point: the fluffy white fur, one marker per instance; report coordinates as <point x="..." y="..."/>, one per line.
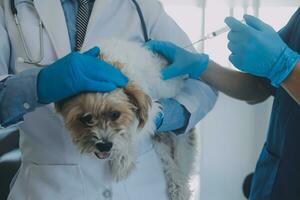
<point x="178" y="153"/>
<point x="141" y="66"/>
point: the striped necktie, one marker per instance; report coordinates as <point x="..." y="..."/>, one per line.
<point x="82" y="20"/>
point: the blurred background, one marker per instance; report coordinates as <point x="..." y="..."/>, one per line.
<point x="234" y="132"/>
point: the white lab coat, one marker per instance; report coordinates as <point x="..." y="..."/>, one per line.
<point x="51" y="167"/>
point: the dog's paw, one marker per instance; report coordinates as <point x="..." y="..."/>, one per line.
<point x="121" y="168"/>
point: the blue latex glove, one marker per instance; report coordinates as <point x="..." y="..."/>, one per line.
<point x="159" y="118"/>
<point x="258" y="49"/>
<point x="173" y="117"/>
<point x="77" y="73"/>
<point x="181" y="62"/>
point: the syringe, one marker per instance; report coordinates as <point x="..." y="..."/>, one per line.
<point x="211" y="35"/>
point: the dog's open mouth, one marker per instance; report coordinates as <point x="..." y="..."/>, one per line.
<point x="102" y="155"/>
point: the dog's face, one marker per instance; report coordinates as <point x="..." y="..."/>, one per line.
<point x="103" y="122"/>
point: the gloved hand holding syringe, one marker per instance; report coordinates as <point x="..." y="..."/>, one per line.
<point x="211" y="35"/>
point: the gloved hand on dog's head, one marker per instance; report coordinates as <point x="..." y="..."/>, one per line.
<point x="76" y="73"/>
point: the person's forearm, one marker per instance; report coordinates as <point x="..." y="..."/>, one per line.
<point x="235" y="84"/>
<point x="292" y="83"/>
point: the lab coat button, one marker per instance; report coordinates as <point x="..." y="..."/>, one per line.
<point x="107" y="193"/>
<point x="26" y="106"/>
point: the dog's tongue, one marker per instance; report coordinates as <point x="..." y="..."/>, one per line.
<point x="102" y="155"/>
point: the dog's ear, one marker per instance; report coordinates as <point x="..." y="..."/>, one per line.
<point x="59" y="106"/>
<point x="141" y="102"/>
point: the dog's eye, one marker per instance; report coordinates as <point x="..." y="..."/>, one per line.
<point x="87" y="119"/>
<point x="113" y="116"/>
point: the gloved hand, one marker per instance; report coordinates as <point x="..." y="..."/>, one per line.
<point x="258" y="49"/>
<point x="77" y="73"/>
<point x="181" y="62"/>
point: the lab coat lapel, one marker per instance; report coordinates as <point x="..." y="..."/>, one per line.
<point x="97" y="11"/>
<point x="51" y="14"/>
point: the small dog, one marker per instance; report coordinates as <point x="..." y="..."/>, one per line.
<point x="109" y="124"/>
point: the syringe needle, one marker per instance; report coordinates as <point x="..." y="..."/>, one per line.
<point x="196" y="42"/>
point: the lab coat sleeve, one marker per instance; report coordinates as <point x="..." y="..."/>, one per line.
<point x="4" y="47"/>
<point x="196" y="96"/>
<point x="17" y="92"/>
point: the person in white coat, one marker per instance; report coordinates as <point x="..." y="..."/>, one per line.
<point x="52" y="168"/>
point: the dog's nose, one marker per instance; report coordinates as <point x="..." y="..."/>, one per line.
<point x="104" y="146"/>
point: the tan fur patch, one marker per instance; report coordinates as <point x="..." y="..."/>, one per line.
<point x="141" y="101"/>
<point x="116" y="64"/>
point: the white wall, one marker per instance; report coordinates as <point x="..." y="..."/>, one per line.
<point x="232" y="136"/>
